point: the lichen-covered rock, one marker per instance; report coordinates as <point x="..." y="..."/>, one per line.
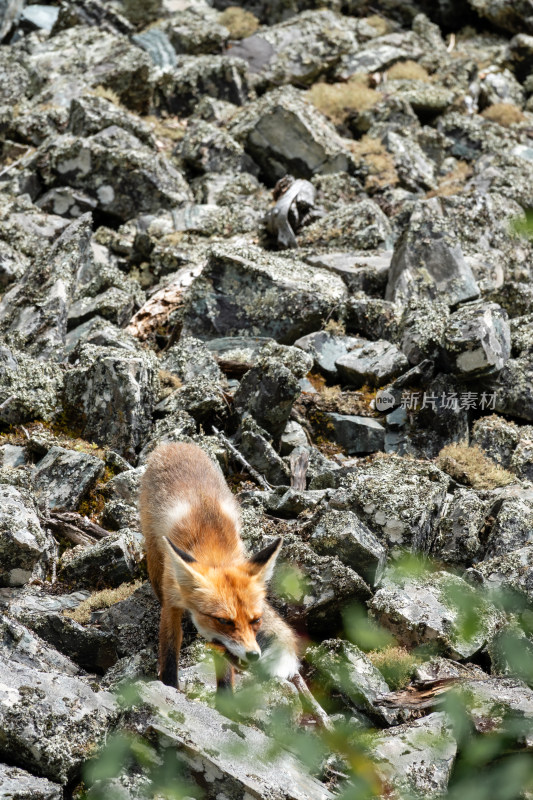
<point x="114" y="560"/>
<point x="462" y="517"/>
<point x="24" y="546"/>
<point x="63" y="477"/>
<point x="34" y="312"/>
<point x="90" y="114"/>
<point x="360" y="271"/>
<point x="110" y="393"/>
<point x="477" y="339"/>
<point x="422" y="328"/>
<point x="433" y="610"/>
<point x="123" y="175"/>
<point x="398" y="499"/>
<point x="278" y="297"/>
<point x="325" y="348"/>
<point x="269" y="389"/>
<point x="180" y="89"/>
<point x="29" y="388"/>
<point x="190" y="359"/>
<point x="417" y="757"/>
<point x="114" y="305"/>
<point x="206" y="148"/>
<point x="342" y="666"/>
<point x="512" y="388"/>
<point x="49" y="720"/>
<point x="362" y="225"/>
<point x="343" y="534"/>
<point x="356" y="435"/>
<point x="17" y="783"/>
<point x="492" y="701"/>
<point x="375" y="363"/>
<point x="512" y="527"/>
<point x="497" y="437"/>
<point x="516" y="17"/>
<point x="134" y="623"/>
<point x="513" y="570"/>
<point x="284" y="134"/>
<point x="256" y="446"/>
<point x="428" y="261"/>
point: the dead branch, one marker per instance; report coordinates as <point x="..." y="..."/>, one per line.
<point x="75" y="527"/>
<point x="258" y="478"/>
<point x="299" y="462"/>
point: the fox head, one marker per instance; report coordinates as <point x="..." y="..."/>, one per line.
<point x="226" y="603"/>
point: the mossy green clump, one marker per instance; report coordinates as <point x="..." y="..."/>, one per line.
<point x="504" y="114"/>
<point x="338" y="100"/>
<point x="396" y="664"/>
<point x="407" y="71"/>
<point x="469" y="465"/>
<point x="102" y="599"/>
<point x="239" y="22"/>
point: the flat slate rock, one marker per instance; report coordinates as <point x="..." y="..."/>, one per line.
<point x="64" y="477"/>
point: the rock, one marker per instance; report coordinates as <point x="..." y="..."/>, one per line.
<point x="356" y="435"/>
<point x="510" y="390"/>
<point x="109" y="393"/>
<point x="114" y="304"/>
<point x="374" y="363"/>
<point x="497" y="437"/>
<point x="180" y="89"/>
<point x="24" y="546"/>
<point x="491" y="702"/>
<point x="513" y="570"/>
<point x="380" y="53"/>
<point x="206" y="149"/>
<point x="432" y="610"/>
<point x="342" y="666"/>
<point x="15" y="782"/>
<point x="63" y="477"/>
<point x="293" y="436"/>
<point x="327" y="587"/>
<point x="123" y="175"/>
<point x="191" y="728"/>
<point x="49" y="720"/>
<point x="291" y="502"/>
<point x="276" y="296"/>
<point x="477" y="339"/>
<point x="158" y="46"/>
<point x="9" y="11"/>
<point x="362" y="225"/>
<point x="516" y="18"/>
<point x="406" y="765"/>
<point x="191" y="359"/>
<point x="373" y="318"/>
<point x="114" y="560"/>
<point x="134" y="623"/>
<point x="343" y="534"/>
<point x="428" y="262"/>
<point x="512" y="527"/>
<point x="29" y="388"/>
<point x="398" y="499"/>
<point x="284" y="134"/>
<point x="35" y="310"/>
<point x="21" y="646"/>
<point x="359" y="270"/>
<point x="255" y="445"/>
<point x="458" y="539"/>
<point x="422" y="328"/>
<point x="269" y="389"/>
<point x="195" y="31"/>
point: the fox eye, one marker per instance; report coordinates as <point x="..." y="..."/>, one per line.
<point x="224" y="621"/>
<point x="255" y="621"/>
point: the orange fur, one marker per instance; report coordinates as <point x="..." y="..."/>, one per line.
<point x="196" y="560"/>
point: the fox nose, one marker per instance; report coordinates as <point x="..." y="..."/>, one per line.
<point x="252" y="655"/>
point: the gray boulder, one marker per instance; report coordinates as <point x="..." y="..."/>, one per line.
<point x="512" y="570"/>
<point x="256" y="446"/>
<point x="110" y="393"/>
<point x="356" y="435"/>
<point x="375" y="363"/>
<point x="113" y="304"/>
<point x="516" y="18"/>
<point x="122" y="174"/>
<point x="512" y="527"/>
<point x="134" y="623"/>
<point x="360" y="271"/>
<point x="457" y="539"/>
<point x="326" y="348"/>
<point x="24" y="546"/>
<point x="278" y="297"/>
<point x="114" y="560"/>
<point x="63" y="477"/>
<point x="498" y="437"/>
<point x="190" y="359"/>
<point x="428" y="261"/>
<point x="285" y="134"/>
<point x="342" y="666"/>
<point x="432" y="610"/>
<point x="416" y="758"/>
<point x="477" y="340"/>
<point x="362" y="225"/>
<point x="29" y="388"/>
<point x="511" y="389"/>
<point x="343" y="534"/>
<point x="19" y="784"/>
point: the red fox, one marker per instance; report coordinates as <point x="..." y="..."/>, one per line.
<point x="196" y="563"/>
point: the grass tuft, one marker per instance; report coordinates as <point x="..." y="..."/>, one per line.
<point x="239" y="22"/>
<point x="407" y="71"/>
<point x="396" y="664"/>
<point x="504" y="114"/>
<point x="469" y="465"/>
<point x="338" y="100"/>
<point x="102" y="599"/>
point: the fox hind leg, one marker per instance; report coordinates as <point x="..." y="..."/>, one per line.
<point x="170" y="637"/>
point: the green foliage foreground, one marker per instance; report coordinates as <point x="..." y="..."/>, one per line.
<point x="493" y="761"/>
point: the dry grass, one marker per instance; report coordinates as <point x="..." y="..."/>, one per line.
<point x="168" y="383"/>
<point x="453" y="182"/>
<point x="396" y="664"/>
<point x="381" y="25"/>
<point x="335" y="327"/>
<point x="407" y="71"/>
<point x="103" y="599"/>
<point x="469" y="465"/>
<point x="338" y="100"/>
<point x="239" y="22"/>
<point x="108" y="94"/>
<point x="168" y="129"/>
<point x="504" y="114"/>
<point x="372" y="157"/>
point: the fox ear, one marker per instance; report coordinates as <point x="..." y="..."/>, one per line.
<point x="182" y="564"/>
<point x="262" y="564"/>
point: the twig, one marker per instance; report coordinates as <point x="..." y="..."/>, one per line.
<point x="299" y="462"/>
<point x="258" y="478"/>
<point x="6" y="402"/>
<point x="313" y="704"/>
<point x="75" y="528"/>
